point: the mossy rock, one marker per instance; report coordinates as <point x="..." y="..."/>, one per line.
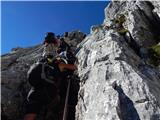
<point x="156" y="48"/>
<point x="119" y="19"/>
<point x="122" y="18"/>
<point x="122" y="31"/>
<point x="154" y="54"/>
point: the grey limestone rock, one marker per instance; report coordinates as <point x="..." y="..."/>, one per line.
<point x="116" y="84"/>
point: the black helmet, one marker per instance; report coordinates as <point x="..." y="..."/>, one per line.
<point x="50" y="37"/>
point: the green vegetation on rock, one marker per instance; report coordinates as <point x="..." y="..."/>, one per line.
<point x="154" y="53"/>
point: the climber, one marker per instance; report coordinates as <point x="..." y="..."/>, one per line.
<point x="73" y="35"/>
<point x="66" y="46"/>
<point x="63" y="46"/>
<point x="46" y="77"/>
<point x="51" y="44"/>
<point x="67" y="38"/>
<point x="65" y="49"/>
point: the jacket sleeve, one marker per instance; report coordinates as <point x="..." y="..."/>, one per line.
<point x="63" y="66"/>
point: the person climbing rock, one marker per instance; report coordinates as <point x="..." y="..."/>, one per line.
<point x="67" y="38"/>
<point x="64" y="46"/>
<point x="73" y="35"/>
<point x="71" y="59"/>
<point x="47" y="78"/>
<point x="51" y="44"/>
<point x="66" y="51"/>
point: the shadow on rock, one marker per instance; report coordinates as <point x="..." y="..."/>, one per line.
<point x="125" y="108"/>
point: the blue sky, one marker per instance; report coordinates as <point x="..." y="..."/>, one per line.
<point x="24" y="24"/>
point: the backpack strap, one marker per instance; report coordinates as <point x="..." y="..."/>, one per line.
<point x="43" y="75"/>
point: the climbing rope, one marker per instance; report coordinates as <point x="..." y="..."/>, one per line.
<point x="37" y="49"/>
<point x="66" y="102"/>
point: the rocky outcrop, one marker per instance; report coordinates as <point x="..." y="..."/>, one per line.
<point x="142" y="19"/>
<point x="116" y="84"/>
<point x="14" y="85"/>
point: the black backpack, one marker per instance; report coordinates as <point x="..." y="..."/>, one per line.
<point x="41" y="73"/>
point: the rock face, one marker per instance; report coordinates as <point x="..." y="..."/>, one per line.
<point x="14" y="84"/>
<point x="116" y="84"/>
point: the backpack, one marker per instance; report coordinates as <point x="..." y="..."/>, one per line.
<point x="41" y="73"/>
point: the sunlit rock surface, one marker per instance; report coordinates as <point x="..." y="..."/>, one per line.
<point x="116" y="84"/>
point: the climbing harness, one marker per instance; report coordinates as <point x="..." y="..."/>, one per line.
<point x="66" y="102"/>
